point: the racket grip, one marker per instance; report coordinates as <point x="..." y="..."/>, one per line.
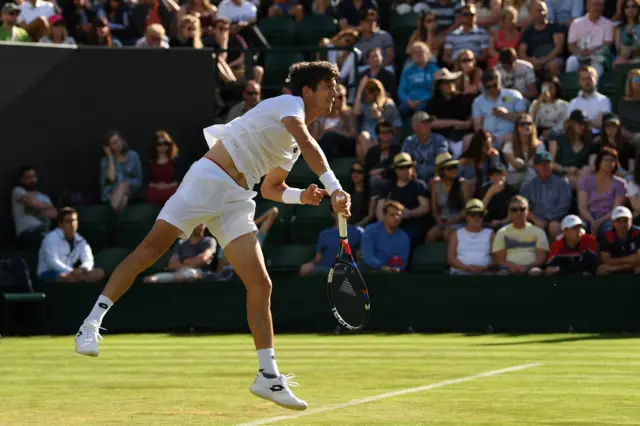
<point x="342" y="222"/>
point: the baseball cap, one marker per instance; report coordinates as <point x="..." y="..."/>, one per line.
<point x="496" y="168"/>
<point x="543" y="157"/>
<point x="578" y="115"/>
<point x="611" y="119"/>
<point x="621" y="211"/>
<point x="570" y="221"/>
<point x="10" y="7"/>
<point x="402" y="159"/>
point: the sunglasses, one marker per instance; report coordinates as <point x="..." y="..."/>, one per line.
<point x="466" y="60"/>
<point x="357" y="171"/>
<point x="518" y="209"/>
<point x="254" y="93"/>
<point x="384" y="131"/>
<point x="467" y="14"/>
<point x="450" y="168"/>
<point x="161" y="143"/>
<point x="525" y="123"/>
<point x="491" y="86"/>
<point x="403" y="167"/>
<point x="475" y="214"/>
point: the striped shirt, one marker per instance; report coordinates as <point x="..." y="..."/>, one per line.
<point x="474" y="40"/>
<point x="445" y="13"/>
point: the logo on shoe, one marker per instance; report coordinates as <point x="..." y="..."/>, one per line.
<point x="103" y="305"/>
<point x="276" y="388"/>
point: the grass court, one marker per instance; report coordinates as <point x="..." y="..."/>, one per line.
<point x="204" y="380"/>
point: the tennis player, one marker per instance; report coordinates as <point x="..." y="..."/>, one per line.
<point x="217" y="191"/>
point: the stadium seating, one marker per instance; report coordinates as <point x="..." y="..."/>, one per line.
<point x="301" y="175"/>
<point x="342" y="169"/>
<point x="95" y="224"/>
<point x="313" y="28"/>
<point x="289" y="257"/>
<point x="308" y="221"/>
<point x="276" y="68"/>
<point x="109" y="258"/>
<point x="402" y="26"/>
<point x="134" y="223"/>
<point x="431" y="257"/>
<point x="279" y="30"/>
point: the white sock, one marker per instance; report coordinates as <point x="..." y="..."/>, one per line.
<point x="99" y="310"/>
<point x="267" y="361"/>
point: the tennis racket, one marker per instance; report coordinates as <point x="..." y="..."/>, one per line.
<point x="348" y="293"/>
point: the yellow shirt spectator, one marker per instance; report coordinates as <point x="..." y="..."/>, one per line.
<point x="520" y="243"/>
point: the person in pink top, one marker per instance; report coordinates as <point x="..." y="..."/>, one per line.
<point x="590" y="38"/>
<point x="507" y="36"/>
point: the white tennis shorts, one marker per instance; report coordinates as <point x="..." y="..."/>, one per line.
<point x="208" y="195"/>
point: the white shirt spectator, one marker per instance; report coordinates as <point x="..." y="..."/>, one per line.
<point x="593" y="105"/>
<point x="519" y="78"/>
<point x="58" y="254"/>
<point x="244" y="12"/>
<point x="29" y="12"/>
<point x="69" y="41"/>
<point x="473" y="248"/>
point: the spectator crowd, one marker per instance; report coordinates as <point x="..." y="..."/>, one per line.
<point x="514" y="179"/>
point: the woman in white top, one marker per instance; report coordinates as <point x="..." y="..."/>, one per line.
<point x="470" y="247"/>
<point x="520" y="149"/>
<point x="549" y="111"/>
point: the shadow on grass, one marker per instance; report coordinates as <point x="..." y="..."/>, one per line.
<point x="567" y="339"/>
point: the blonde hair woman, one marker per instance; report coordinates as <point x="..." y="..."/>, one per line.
<point x="188" y="34"/>
<point x="628" y="107"/>
<point x="203" y="10"/>
<point x="521" y="150"/>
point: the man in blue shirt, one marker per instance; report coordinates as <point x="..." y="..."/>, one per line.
<point x="549" y="196"/>
<point x="327" y="248"/>
<point x="385" y="246"/>
<point x="424" y="146"/>
<point x="496" y="110"/>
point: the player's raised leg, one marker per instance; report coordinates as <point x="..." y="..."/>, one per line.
<point x="159" y="239"/>
<point x="245" y="256"/>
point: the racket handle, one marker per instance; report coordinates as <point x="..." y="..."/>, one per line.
<point x="342" y="222"/>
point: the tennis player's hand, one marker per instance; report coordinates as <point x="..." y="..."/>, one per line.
<point x="313" y="195"/>
<point x="341" y="202"/>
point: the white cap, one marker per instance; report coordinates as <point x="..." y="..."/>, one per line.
<point x="570" y="221"/>
<point x="621" y="211"/>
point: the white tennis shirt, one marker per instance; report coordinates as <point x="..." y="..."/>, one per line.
<point x="258" y="141"/>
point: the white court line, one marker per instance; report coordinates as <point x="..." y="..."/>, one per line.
<point x="390" y="395"/>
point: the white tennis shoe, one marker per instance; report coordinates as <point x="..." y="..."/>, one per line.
<point x="276" y="389"/>
<point x="87" y="339"/>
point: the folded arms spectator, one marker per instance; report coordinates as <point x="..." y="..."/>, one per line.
<point x="64" y="255"/>
<point x="32" y="210"/>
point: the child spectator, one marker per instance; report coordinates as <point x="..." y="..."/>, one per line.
<point x="575" y="252"/>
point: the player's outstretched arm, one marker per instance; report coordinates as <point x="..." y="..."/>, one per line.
<point x="317" y="161"/>
<point x="274" y="188"/>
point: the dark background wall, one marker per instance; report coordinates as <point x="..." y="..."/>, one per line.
<point x="56" y="104"/>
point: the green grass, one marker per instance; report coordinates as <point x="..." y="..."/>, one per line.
<point x="204" y="380"/>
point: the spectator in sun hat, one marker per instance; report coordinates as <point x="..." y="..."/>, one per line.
<point x="620" y="246"/>
<point x="58" y="33"/>
<point x="549" y="196"/>
<point x="412" y="193"/>
<point x="470" y="247"/>
<point x="573" y="253"/>
<point x="9" y="31"/>
<point x="424" y="145"/>
<point x="447" y="199"/>
<point x="451" y="109"/>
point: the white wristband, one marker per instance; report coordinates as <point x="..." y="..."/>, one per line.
<point x="292" y="196"/>
<point x="330" y="182"/>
